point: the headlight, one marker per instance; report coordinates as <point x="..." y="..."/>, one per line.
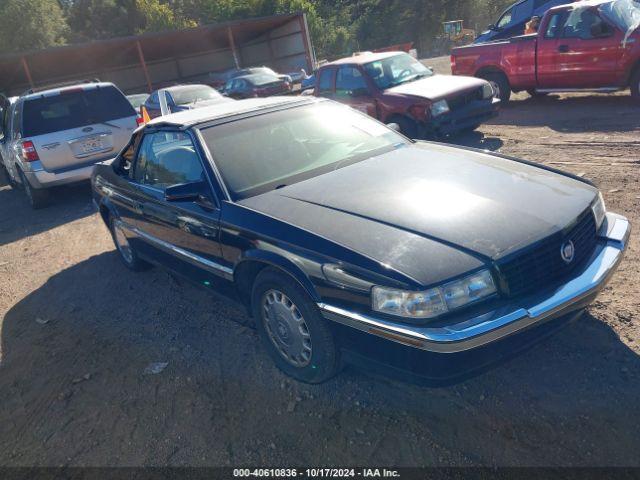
<point x="487" y="91"/>
<point x="440" y="107"/>
<point x="599" y="210"/>
<point x="436" y="301"/>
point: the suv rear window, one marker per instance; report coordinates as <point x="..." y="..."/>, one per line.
<point x="73" y="109"/>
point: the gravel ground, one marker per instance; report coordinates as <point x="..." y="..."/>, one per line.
<point x="78" y="331"/>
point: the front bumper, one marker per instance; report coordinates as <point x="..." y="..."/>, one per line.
<point x="484" y="329"/>
<point x="464" y="118"/>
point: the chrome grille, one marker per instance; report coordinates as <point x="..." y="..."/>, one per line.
<point x="542" y="265"/>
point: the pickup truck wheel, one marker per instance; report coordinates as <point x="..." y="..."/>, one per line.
<point x="500" y="85"/>
<point x="291" y="328"/>
<point x="125" y="251"/>
<point x="635" y="84"/>
<point x="38" y="198"/>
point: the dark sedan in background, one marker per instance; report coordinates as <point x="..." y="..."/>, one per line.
<point x="335" y="231"/>
<point x="256" y="85"/>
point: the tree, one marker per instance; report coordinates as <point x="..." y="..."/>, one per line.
<point x="31" y="24"/>
<point x="156" y="17"/>
<point x="100" y="19"/>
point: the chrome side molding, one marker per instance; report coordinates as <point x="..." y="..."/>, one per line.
<point x="198" y="261"/>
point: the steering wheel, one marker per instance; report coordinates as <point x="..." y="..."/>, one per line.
<point x="406" y="71"/>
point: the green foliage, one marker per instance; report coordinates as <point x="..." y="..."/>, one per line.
<point x="337" y="27"/>
<point x="30" y="24"/>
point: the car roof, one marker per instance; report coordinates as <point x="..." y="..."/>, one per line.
<point x="227" y="109"/>
<point x="56" y="90"/>
<point x="186" y="86"/>
<point x="254" y="76"/>
<point x="582" y="3"/>
<point x="363" y="58"/>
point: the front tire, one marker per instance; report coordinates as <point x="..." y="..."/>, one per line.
<point x="127" y="254"/>
<point x="500" y="84"/>
<point x="291" y="328"/>
<point x="37" y="197"/>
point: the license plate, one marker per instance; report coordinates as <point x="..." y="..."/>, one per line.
<point x="92" y="145"/>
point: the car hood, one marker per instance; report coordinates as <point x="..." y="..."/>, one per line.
<point x="431" y="204"/>
<point x="438" y="87"/>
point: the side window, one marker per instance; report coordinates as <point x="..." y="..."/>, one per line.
<point x="585" y="23"/>
<point x="554" y="27"/>
<point x="167" y="159"/>
<point x="127" y="156"/>
<point x="505" y="19"/>
<point x="6" y="120"/>
<point x="350" y="82"/>
<point x="154" y="98"/>
<point x="17" y="120"/>
<point x="325" y="82"/>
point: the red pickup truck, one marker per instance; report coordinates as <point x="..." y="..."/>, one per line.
<point x="396" y="88"/>
<point x="592" y="45"/>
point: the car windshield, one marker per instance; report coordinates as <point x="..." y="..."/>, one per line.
<point x="196" y="93"/>
<point x="262" y="79"/>
<point x="396" y="70"/>
<point x="137" y="100"/>
<point x="269" y="151"/>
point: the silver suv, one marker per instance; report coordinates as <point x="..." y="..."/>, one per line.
<point x="56" y="136"/>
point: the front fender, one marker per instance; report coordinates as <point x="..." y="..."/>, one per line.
<point x="292" y="264"/>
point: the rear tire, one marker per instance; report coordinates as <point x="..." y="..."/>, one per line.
<point x="37" y="197"/>
<point x="127" y="254"/>
<point x="634" y="85"/>
<point x="292" y="329"/>
<point x="500" y="84"/>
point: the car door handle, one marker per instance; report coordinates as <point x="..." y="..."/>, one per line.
<point x="563" y="48"/>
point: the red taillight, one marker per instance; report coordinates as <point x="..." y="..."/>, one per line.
<point x="29" y="153"/>
<point x="139" y="120"/>
<point x="453" y="62"/>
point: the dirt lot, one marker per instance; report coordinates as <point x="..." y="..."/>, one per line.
<point x="78" y="330"/>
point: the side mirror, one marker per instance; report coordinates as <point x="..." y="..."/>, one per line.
<point x="394" y="126"/>
<point x="492" y="27"/>
<point x="185" y="192"/>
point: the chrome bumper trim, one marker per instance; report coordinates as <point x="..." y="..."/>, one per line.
<point x="576" y="294"/>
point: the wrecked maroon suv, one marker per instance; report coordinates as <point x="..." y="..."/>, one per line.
<point x="396" y="88"/>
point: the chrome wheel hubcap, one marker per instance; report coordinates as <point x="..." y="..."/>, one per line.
<point x="122" y="243"/>
<point x="286" y="328"/>
<point x="496" y="89"/>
